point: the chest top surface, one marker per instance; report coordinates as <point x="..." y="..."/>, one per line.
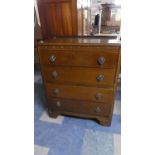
<point x="81" y="41"/>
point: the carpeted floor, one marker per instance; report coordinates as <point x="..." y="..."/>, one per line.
<point x="73" y="136"/>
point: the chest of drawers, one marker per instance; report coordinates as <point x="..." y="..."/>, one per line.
<point x="80" y="76"/>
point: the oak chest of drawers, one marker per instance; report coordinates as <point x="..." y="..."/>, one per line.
<point x="80" y="76"/>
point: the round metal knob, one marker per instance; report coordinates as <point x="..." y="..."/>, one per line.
<point x="58" y="104"/>
<point x="41" y="41"/>
<point x="101" y="60"/>
<point x="98" y="109"/>
<point x="100" y="78"/>
<point x="54" y="74"/>
<point x="98" y="96"/>
<point x="52" y="58"/>
<point x="56" y="91"/>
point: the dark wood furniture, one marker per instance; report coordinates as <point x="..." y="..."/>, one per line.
<point x="37" y="36"/>
<point x="58" y="17"/>
<point x="80" y="76"/>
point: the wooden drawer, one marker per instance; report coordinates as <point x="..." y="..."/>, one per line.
<point x="82" y="107"/>
<point x="104" y="58"/>
<point x="79" y="92"/>
<point x="79" y="75"/>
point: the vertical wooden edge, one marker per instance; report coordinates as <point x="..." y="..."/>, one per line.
<point x="42" y="19"/>
<point x="115" y="84"/>
<point x="74" y="15"/>
<point x="118" y="69"/>
<point x="42" y="75"/>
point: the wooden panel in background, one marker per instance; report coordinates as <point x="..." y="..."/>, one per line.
<point x="58" y="17"/>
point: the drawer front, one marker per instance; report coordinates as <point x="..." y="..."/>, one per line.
<point x="79" y="92"/>
<point x="84" y="58"/>
<point x="90" y="108"/>
<point x="78" y="75"/>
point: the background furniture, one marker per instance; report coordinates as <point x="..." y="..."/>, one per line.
<point x="109" y="21"/>
<point x="37" y="36"/>
<point x="58" y="17"/>
<point x="76" y="18"/>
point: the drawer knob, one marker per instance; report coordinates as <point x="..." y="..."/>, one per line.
<point x="100" y="78"/>
<point x="41" y="41"/>
<point x="98" y="96"/>
<point x="58" y="104"/>
<point x="101" y="60"/>
<point x="98" y="109"/>
<point x="52" y="58"/>
<point x="56" y="91"/>
<point x="54" y="74"/>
